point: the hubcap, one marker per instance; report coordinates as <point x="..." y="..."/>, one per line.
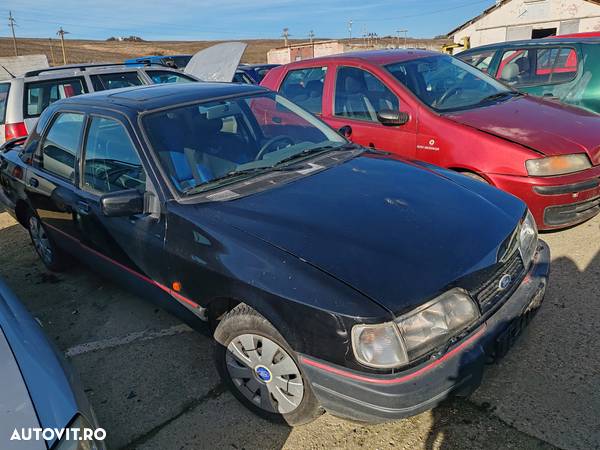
<point x="40" y="239"/>
<point x="264" y="373"/>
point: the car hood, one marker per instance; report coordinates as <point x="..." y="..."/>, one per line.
<point x="43" y="371"/>
<point x="16" y="410"/>
<point x="394" y="231"/>
<point x="545" y="126"/>
<point x="216" y="63"/>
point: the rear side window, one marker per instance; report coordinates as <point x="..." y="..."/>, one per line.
<point x="481" y="60"/>
<point x="115" y="80"/>
<point x="305" y="88"/>
<point x="164" y="76"/>
<point x="61" y="144"/>
<point x="537" y="66"/>
<point x="4" y="88"/>
<point x="39" y="95"/>
<point x="111" y="161"/>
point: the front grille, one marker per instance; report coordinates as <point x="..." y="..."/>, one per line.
<point x="491" y="292"/>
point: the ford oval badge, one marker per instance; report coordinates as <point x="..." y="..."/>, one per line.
<point x="504" y="282"/>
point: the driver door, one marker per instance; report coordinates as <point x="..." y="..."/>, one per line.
<point x="358" y="96"/>
<point x="110" y="163"/>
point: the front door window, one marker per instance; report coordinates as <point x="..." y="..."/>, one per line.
<point x="360" y="95"/>
<point x="111" y="161"/>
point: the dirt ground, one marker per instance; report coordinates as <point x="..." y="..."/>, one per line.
<point x="79" y="51"/>
<point x="153" y="385"/>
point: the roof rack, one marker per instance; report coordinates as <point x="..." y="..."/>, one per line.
<point x="84" y="67"/>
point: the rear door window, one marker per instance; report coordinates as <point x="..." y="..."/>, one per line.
<point x="39" y="95"/>
<point x="111" y="162"/>
<point x="61" y="145"/>
<point x="165" y="76"/>
<point x="305" y="88"/>
<point x="4" y="88"/>
<point x="115" y="80"/>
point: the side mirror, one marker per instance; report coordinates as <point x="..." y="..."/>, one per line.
<point x="122" y="204"/>
<point x="390" y="118"/>
<point x="346" y="131"/>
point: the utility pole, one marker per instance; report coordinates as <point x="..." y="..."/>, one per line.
<point x="350" y="30"/>
<point x="311" y="36"/>
<point x="11" y="24"/>
<point x="62" y="33"/>
<point x="52" y="52"/>
<point x="286" y="35"/>
<point x="402" y="31"/>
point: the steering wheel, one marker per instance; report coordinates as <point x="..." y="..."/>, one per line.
<point x="269" y="146"/>
<point x="449" y="93"/>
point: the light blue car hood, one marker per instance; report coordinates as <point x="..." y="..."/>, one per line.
<point x="16" y="409"/>
<point x="47" y="379"/>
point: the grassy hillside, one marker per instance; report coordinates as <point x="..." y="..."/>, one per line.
<point x="102" y="51"/>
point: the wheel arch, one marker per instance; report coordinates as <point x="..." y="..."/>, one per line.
<point x="22" y="212"/>
<point x="463" y="170"/>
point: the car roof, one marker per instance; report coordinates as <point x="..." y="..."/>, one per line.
<point x="538" y="42"/>
<point x="77" y="69"/>
<point x="150" y="97"/>
<point x="380" y="57"/>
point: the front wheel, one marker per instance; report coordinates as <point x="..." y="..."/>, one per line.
<point x="260" y="368"/>
<point x="50" y="255"/>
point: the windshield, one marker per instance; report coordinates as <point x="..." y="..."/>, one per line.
<point x="206" y="145"/>
<point x="447" y="84"/>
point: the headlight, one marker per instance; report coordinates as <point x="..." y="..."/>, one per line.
<point x="72" y="442"/>
<point x="395" y="344"/>
<point x="557" y="165"/>
<point x="528" y="238"/>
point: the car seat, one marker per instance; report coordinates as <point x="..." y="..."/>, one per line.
<point x="351" y="100"/>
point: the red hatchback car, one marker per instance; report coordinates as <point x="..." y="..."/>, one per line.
<point x="434" y="108"/>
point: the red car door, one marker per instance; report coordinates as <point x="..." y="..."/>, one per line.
<point x="355" y="95"/>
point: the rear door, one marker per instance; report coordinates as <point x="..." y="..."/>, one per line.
<point x="38" y="95"/>
<point x="50" y="180"/>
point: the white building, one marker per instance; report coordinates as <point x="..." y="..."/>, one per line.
<point x="510" y="20"/>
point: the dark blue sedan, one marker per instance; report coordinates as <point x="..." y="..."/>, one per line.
<point x="333" y="277"/>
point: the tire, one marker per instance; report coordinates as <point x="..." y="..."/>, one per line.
<point x="267" y="379"/>
<point x="48" y="252"/>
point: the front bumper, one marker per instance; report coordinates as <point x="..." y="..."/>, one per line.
<point x="556" y="202"/>
<point x="375" y="398"/>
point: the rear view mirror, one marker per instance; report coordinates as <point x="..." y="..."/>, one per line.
<point x="391" y="118"/>
<point x="122" y="204"/>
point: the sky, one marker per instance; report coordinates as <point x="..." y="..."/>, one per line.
<point x="235" y="19"/>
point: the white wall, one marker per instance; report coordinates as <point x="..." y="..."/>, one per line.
<point x="532" y="14"/>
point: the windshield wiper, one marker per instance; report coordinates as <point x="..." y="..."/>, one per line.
<point x="235" y="174"/>
<point x="314" y="150"/>
<point x="498" y="96"/>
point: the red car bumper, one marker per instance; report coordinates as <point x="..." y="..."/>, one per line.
<point x="556" y="202"/>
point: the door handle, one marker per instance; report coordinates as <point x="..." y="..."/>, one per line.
<point x="83" y="208"/>
<point x="33" y="182"/>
